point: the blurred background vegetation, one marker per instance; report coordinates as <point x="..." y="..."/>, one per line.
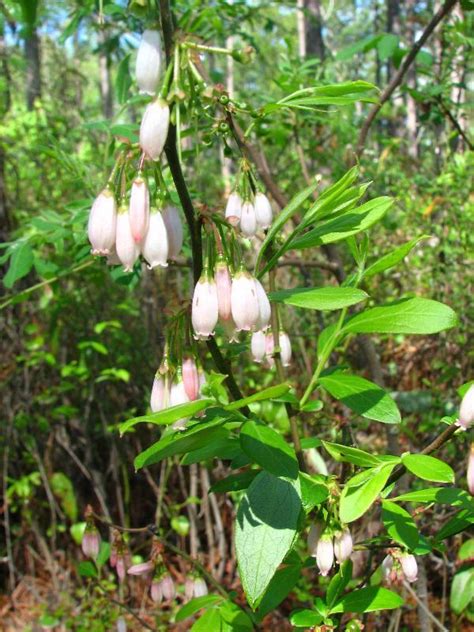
<point x="80" y="342"/>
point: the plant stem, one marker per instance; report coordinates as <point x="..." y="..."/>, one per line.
<point x="208" y="49"/>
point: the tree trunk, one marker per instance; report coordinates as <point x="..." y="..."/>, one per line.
<point x="301" y="28"/>
<point x="314" y="32"/>
<point x="5" y="98"/>
<point x="33" y="66"/>
<point x="411" y="114"/>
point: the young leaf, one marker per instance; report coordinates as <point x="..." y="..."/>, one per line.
<point x="444" y="495"/>
<point x="362" y="396"/>
<point x="268" y="449"/>
<point x="368" y="600"/>
<point x="392" y="258"/>
<point x="266" y="525"/>
<point x="326" y="298"/>
<point x="407" y="316"/>
<point x="21" y="263"/>
<point x="355" y="501"/>
<point x="305" y="618"/>
<point x="313" y="491"/>
<point x="268" y="393"/>
<point x="428" y="468"/>
<point x="347" y="454"/>
<point x="399" y="524"/>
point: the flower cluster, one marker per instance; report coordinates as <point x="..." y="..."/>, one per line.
<point x="324" y="544"/>
<point x="397" y="566"/>
<point x="249" y="214"/>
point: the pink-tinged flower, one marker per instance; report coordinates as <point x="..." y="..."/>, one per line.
<point x="324" y="555"/>
<point x="205" y="309"/>
<point x="258" y="346"/>
<point x="470" y="470"/>
<point x="244" y="301"/>
<point x="314" y="534"/>
<point x="102" y="223"/>
<point x="178" y="396"/>
<point x="285" y="348"/>
<point x="466" y="410"/>
<point x="194" y="587"/>
<point x="148" y="64"/>
<point x="343" y="546"/>
<point x="174" y="228"/>
<point x="248" y="220"/>
<point x="91" y="541"/>
<point x="263" y="210"/>
<point x="233" y="209"/>
<point x="127" y="249"/>
<point x="120" y="568"/>
<point x="159" y="394"/>
<point x="409" y="567"/>
<point x="141" y="569"/>
<point x="200" y="587"/>
<point x="156" y="591"/>
<point x="155" y="244"/>
<point x="154" y="128"/>
<point x="139" y="209"/>
<point x="168" y="588"/>
<point x="224" y="289"/>
<point x="264" y="309"/>
<point x="191" y="379"/>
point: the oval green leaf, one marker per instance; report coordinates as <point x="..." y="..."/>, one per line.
<point x="428" y="468"/>
<point x="325" y="298"/>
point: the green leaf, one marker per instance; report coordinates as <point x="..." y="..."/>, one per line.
<point x="169" y="415"/>
<point x="407" y="316"/>
<point x="399" y="524"/>
<point x="428" y="468"/>
<point x="184" y="441"/>
<point x="210" y="620"/>
<point x="266" y="527"/>
<point x="226" y="448"/>
<point x="353" y="221"/>
<point x="325" y="298"/>
<point x="281" y="585"/>
<point x="462" y="590"/>
<point x="305" y="618"/>
<point x="387" y="45"/>
<point x="444" y="495"/>
<point x="355" y="501"/>
<point x="339" y="582"/>
<point x="368" y="600"/>
<point x="63" y="488"/>
<point x="87" y="569"/>
<point x="362" y="396"/>
<point x="361" y="46"/>
<point x="313" y="491"/>
<point x="123" y="80"/>
<point x="272" y="392"/>
<point x="195" y="605"/>
<point x="21" y="263"/>
<point x="267" y="448"/>
<point x="392" y="258"/>
<point x="234" y="482"/>
<point x="288" y="212"/>
<point x="347" y="454"/>
<point x="234" y="618"/>
<point x="462" y="521"/>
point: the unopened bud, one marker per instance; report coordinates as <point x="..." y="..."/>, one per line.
<point x="248" y="220"/>
<point x="224" y="289"/>
<point x="205" y="309"/>
<point x="155" y="244"/>
<point x="102" y="223"/>
<point x="91" y="541"/>
<point x="258" y="346"/>
<point x="139" y="209"/>
<point x="244" y="302"/>
<point x="409" y="567"/>
<point x="325" y="555"/>
<point x="141" y="569"/>
<point x="190" y="379"/>
<point x="263" y="210"/>
<point x="148" y="64"/>
<point x="343" y="546"/>
<point x="233" y="209"/>
<point x="154" y="128"/>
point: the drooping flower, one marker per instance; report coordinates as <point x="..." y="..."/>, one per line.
<point x="258" y="346"/>
<point x="155" y="244"/>
<point x="314" y="534"/>
<point x="139" y="209"/>
<point x="224" y="289"/>
<point x="205" y="309"/>
<point x="269" y="348"/>
<point x="102" y="223"/>
<point x="154" y="128"/>
<point x="91" y="541"/>
<point x="248" y="219"/>
<point x="233" y="209"/>
<point x="174" y="228"/>
<point x="163" y="588"/>
<point x="127" y="249"/>
<point x="148" y="64"/>
<point x="343" y="546"/>
<point x="409" y="567"/>
<point x="200" y="587"/>
<point x="470" y="470"/>
<point x="191" y="379"/>
<point x="466" y="410"/>
<point x="264" y="309"/>
<point x="159" y="394"/>
<point x="244" y="301"/>
<point x="325" y="554"/>
<point x="141" y="569"/>
<point x="178" y="396"/>
<point x="285" y="348"/>
<point x="263" y="210"/>
<point x="194" y="587"/>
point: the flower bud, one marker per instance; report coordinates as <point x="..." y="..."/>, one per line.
<point x="233" y="209"/>
<point x="148" y="65"/>
<point x="205" y="308"/>
<point x="263" y="210"/>
<point x="120" y="568"/>
<point x="174" y="228"/>
<point x="343" y="546"/>
<point x="155" y="244"/>
<point x="314" y="534"/>
<point x="156" y="591"/>
<point x="168" y="588"/>
<point x="154" y="128"/>
<point x="224" y="289"/>
<point x="264" y="309"/>
<point x="102" y="223"/>
<point x="409" y="567"/>
<point x="191" y="379"/>
<point x="139" y="209"/>
<point x="200" y="587"/>
<point x="159" y="395"/>
<point x="127" y="249"/>
<point x="141" y="569"/>
<point x="470" y="470"/>
<point x="258" y="346"/>
<point x="285" y="348"/>
<point x="244" y="302"/>
<point x="91" y="541"/>
<point x="324" y="555"/>
<point x="466" y="410"/>
<point x="248" y="220"/>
